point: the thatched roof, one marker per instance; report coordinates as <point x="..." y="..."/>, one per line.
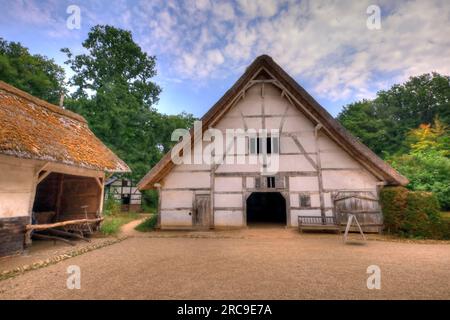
<point x="31" y="128"/>
<point x="330" y="125"/>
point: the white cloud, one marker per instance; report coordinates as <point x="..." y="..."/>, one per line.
<point x="202" y="4"/>
<point x="215" y="57"/>
<point x="325" y="43"/>
<point x="223" y="11"/>
<point x="258" y="8"/>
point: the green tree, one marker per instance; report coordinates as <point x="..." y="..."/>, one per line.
<point x="114" y="59"/>
<point x="383" y="123"/>
<point x="360" y="119"/>
<point x="427" y="165"/>
<point x="115" y="93"/>
<point x="35" y="74"/>
<point x="428" y="139"/>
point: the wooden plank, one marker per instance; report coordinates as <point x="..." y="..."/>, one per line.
<point x="288" y="202"/>
<point x="102" y="195"/>
<point x="256" y="174"/>
<point x="59" y="195"/>
<point x="61" y="224"/>
<point x="12" y="235"/>
<point x="319" y="227"/>
<point x="42" y="176"/>
<point x="319" y="171"/>
<point x="100" y="183"/>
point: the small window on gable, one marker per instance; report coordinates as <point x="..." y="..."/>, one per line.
<point x="253" y="146"/>
<point x="269" y="145"/>
<point x="124" y="183"/>
<point x="256" y="145"/>
<point x="275" y="145"/>
<point x="270" y="182"/>
<point x="305" y="200"/>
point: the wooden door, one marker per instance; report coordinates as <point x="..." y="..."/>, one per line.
<point x="201" y="217"/>
<point x="364" y="205"/>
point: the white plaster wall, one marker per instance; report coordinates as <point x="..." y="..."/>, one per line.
<point x="192" y="167"/>
<point x="16" y="184"/>
<point x="171" y="199"/>
<point x="229" y="123"/>
<point x="228" y="184"/>
<point x="275" y="105"/>
<point x="307" y="140"/>
<point x="287" y="145"/>
<point x="297" y="123"/>
<point x="223" y="168"/>
<point x="228" y="218"/>
<point x="294" y="163"/>
<point x="348" y="180"/>
<point x="326" y="144"/>
<point x="222" y="200"/>
<point x="175" y="218"/>
<point x="254" y="123"/>
<point x="303" y="184"/>
<point x="251" y="104"/>
<point x="337" y="159"/>
<point x="273" y="123"/>
<point x="177" y="179"/>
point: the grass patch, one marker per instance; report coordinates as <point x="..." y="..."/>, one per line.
<point x="112" y="223"/>
<point x="446" y="215"/>
<point x="147" y="225"/>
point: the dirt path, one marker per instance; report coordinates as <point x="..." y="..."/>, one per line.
<point x="252" y="264"/>
<point x="128" y="229"/>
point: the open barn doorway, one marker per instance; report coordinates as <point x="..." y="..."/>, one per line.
<point x="63" y="197"/>
<point x="266" y="208"/>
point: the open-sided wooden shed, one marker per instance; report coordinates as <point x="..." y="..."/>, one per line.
<point x="52" y="167"/>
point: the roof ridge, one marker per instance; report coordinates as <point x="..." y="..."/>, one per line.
<point x="42" y="103"/>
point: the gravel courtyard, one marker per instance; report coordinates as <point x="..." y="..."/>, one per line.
<point x="248" y="264"/>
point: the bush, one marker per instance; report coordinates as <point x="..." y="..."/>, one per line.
<point x="422" y="215"/>
<point x="393" y="201"/>
<point x="445" y="229"/>
<point x="149" y="200"/>
<point x="148" y="224"/>
<point x="413" y="214"/>
<point x="111" y="206"/>
<point x="110" y="227"/>
<point x="427" y="172"/>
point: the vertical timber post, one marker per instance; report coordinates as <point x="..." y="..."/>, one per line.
<point x="319" y="172"/>
<point x="158" y="210"/>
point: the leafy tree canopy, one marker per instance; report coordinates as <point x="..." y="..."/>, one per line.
<point x="35" y="74"/>
<point x="383" y="123"/>
<point x="115" y="93"/>
<point x="427" y="164"/>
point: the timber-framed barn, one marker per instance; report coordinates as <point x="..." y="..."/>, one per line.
<point x="320" y="163"/>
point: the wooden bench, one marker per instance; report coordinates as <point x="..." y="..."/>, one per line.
<point x="317" y="223"/>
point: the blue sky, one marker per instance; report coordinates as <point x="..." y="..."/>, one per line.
<point x="203" y="46"/>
